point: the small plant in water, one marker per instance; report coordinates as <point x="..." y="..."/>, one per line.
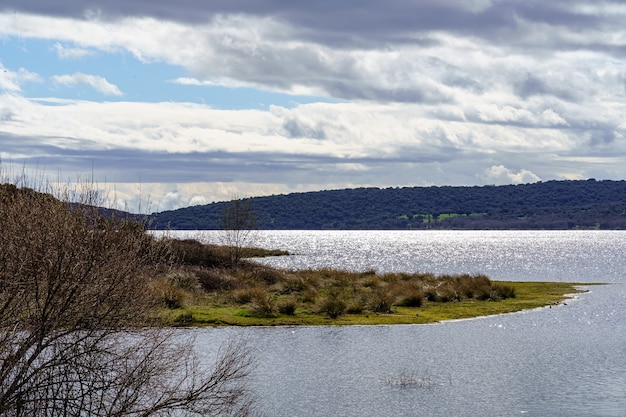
<point x="405" y="380"/>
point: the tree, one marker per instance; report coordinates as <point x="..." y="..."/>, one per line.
<point x="238" y="221"/>
<point x="77" y="337"/>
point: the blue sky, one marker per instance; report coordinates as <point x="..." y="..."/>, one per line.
<point x="187" y="102"/>
<point x="136" y="80"/>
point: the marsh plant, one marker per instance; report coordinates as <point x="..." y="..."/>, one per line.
<point x="410" y="379"/>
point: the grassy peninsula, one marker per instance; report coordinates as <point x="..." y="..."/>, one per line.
<point x="205" y="289"/>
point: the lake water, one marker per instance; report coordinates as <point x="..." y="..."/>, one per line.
<point x="567" y="360"/>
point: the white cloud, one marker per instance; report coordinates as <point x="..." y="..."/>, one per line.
<point x="12" y="81"/>
<point x="71" y="53"/>
<point x="499" y="174"/>
<point x="96" y="82"/>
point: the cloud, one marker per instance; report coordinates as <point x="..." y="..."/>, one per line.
<point x="12" y="81"/>
<point x="71" y="53"/>
<point x="96" y="82"/>
<point x="192" y="81"/>
<point x="418" y="93"/>
<point x="499" y="174"/>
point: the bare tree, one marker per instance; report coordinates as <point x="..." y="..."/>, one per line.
<point x="238" y="222"/>
<point x="77" y="333"/>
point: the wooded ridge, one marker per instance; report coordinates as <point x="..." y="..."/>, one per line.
<point x="587" y="204"/>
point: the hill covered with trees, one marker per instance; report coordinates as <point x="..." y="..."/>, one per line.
<point x="588" y="204"/>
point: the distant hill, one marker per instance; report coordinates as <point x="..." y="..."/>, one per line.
<point x="586" y="204"/>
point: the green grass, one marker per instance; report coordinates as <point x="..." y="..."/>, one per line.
<point x="529" y="295"/>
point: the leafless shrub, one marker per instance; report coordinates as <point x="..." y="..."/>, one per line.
<point x="238" y="222"/>
<point x="77" y="334"/>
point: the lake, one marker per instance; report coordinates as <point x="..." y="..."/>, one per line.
<point x="568" y="360"/>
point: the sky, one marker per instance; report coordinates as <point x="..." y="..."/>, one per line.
<point x="171" y="104"/>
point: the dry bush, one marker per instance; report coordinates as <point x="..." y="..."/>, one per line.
<point x="267" y="275"/>
<point x="412" y="297"/>
<point x="215" y="279"/>
<point x="371" y="281"/>
<point x="380" y="300"/>
<point x="431" y="293"/>
<point x="309" y="296"/>
<point x="168" y="294"/>
<point x="287" y="306"/>
<point x="74" y="306"/>
<point x="447" y="292"/>
<point x="355" y="307"/>
<point x="244" y="295"/>
<point x="193" y="252"/>
<point x="293" y="284"/>
<point x="332" y="305"/>
<point x="262" y="303"/>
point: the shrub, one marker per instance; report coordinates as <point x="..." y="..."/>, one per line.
<point x="309" y="296"/>
<point x="214" y="279"/>
<point x="78" y="334"/>
<point x="293" y="284"/>
<point x="431" y="294"/>
<point x="504" y="291"/>
<point x="371" y="282"/>
<point x="332" y="305"/>
<point x="413" y="298"/>
<point x="262" y="303"/>
<point x="168" y="294"/>
<point x="287" y="307"/>
<point x="243" y="296"/>
<point x="267" y="275"/>
<point x="193" y="252"/>
<point x="448" y="292"/>
<point x="381" y="300"/>
<point x="355" y="307"/>
<point x="183" y="279"/>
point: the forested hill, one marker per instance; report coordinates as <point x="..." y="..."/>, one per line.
<point x="586" y="204"/>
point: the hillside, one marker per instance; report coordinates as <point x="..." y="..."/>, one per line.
<point x="586" y="204"/>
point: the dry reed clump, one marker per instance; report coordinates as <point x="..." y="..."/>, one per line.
<point x="293" y="284"/>
<point x="411" y="296"/>
<point x="215" y="279"/>
<point x="168" y="294"/>
<point x="267" y="275"/>
<point x="380" y="300"/>
<point x="193" y="252"/>
<point x="262" y="303"/>
<point x="356" y="306"/>
<point x="287" y="306"/>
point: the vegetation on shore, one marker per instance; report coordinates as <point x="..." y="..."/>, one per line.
<point x="204" y="290"/>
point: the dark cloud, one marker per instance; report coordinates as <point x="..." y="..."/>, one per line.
<point x="298" y="129"/>
<point x="602" y="137"/>
<point x="534" y="86"/>
<point x="347" y="22"/>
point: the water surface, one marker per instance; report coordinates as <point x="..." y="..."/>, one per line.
<point x="563" y="361"/>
